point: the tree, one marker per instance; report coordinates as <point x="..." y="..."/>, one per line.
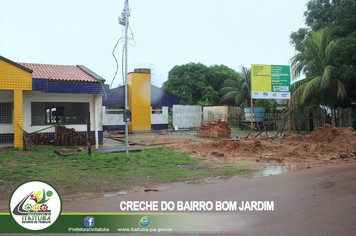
<point x="187" y="82"/>
<point x="196" y="83"/>
<point x="336" y="74"/>
<point x="237" y="92"/>
<point x="338" y="13"/>
<point x="344" y="15"/>
<point x="218" y="74"/>
<point x="345" y="62"/>
<point x="210" y="96"/>
<point x="316" y="62"/>
<point x="298" y="39"/>
<point x="322" y="13"/>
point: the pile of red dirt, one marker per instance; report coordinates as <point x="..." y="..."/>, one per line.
<point x="324" y="144"/>
<point x="328" y="133"/>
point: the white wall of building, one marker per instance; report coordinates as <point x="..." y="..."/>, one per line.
<point x="37" y="96"/>
<point x="117" y="119"/>
<point x="7" y="96"/>
<point x="160" y="118"/>
<point x="187" y="116"/>
<point x="112" y="119"/>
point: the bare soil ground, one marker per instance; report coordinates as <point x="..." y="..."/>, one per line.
<point x="326" y="144"/>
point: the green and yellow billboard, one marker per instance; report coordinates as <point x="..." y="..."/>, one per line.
<point x="270" y="81"/>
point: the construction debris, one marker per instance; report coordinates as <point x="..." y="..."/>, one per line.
<point x="63" y="137"/>
<point x="218" y="129"/>
<point x="70" y="137"/>
<point x="39" y="139"/>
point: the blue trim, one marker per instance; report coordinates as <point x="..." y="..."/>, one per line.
<point x="7" y="138"/>
<point x="67" y="87"/>
<point x="113" y="127"/>
<point x="159" y="126"/>
<point x="159" y="98"/>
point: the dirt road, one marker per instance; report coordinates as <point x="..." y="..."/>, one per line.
<point x="309" y="202"/>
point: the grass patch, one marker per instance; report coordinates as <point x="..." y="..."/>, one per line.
<point x="82" y="172"/>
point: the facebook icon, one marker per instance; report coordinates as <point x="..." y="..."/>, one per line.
<point x="89" y="221"/>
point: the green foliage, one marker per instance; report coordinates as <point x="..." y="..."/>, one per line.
<point x="316" y="62"/>
<point x="298" y="38"/>
<point x="196" y="83"/>
<point x="233" y="120"/>
<point x="218" y="74"/>
<point x="210" y="96"/>
<point x="205" y="103"/>
<point x="237" y="92"/>
<point x="339" y="72"/>
<point x="187" y="82"/>
<point x="345" y="64"/>
<point x="338" y="13"/>
<point x="320" y="13"/>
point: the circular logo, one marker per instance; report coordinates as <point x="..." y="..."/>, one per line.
<point x="35" y="205"/>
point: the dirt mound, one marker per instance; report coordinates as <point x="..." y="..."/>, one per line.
<point x="326" y="133"/>
<point x="225" y="145"/>
<point x="234" y="145"/>
<point x="326" y="144"/>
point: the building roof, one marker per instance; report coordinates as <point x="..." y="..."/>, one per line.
<point x="159" y="97"/>
<point x="15" y="64"/>
<point x="162" y="98"/>
<point x="62" y="73"/>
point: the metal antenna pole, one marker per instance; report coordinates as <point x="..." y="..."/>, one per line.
<point x="126" y="92"/>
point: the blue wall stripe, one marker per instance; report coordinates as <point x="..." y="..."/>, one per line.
<point x="67" y="87"/>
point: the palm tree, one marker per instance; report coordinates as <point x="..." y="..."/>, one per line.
<point x="316" y="64"/>
<point x="237" y="92"/>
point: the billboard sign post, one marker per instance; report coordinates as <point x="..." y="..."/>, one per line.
<point x="269" y="82"/>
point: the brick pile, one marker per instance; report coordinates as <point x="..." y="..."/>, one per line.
<point x="70" y="137"/>
<point x="218" y="129"/>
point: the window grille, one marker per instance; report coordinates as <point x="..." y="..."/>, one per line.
<point x="5" y="113"/>
<point x="114" y="110"/>
<point x="157" y="110"/>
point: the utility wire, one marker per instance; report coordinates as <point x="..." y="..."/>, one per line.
<point x="117" y="63"/>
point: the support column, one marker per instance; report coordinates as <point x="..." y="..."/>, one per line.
<point x="18" y="118"/>
<point x="96" y="122"/>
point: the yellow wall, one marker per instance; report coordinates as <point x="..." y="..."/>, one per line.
<point x="16" y="79"/>
<point x="139" y="94"/>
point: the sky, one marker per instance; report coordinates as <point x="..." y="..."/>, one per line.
<point x="166" y="33"/>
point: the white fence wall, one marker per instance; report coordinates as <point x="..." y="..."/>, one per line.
<point x="187" y="116"/>
<point x="112" y="119"/>
<point x="160" y="118"/>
